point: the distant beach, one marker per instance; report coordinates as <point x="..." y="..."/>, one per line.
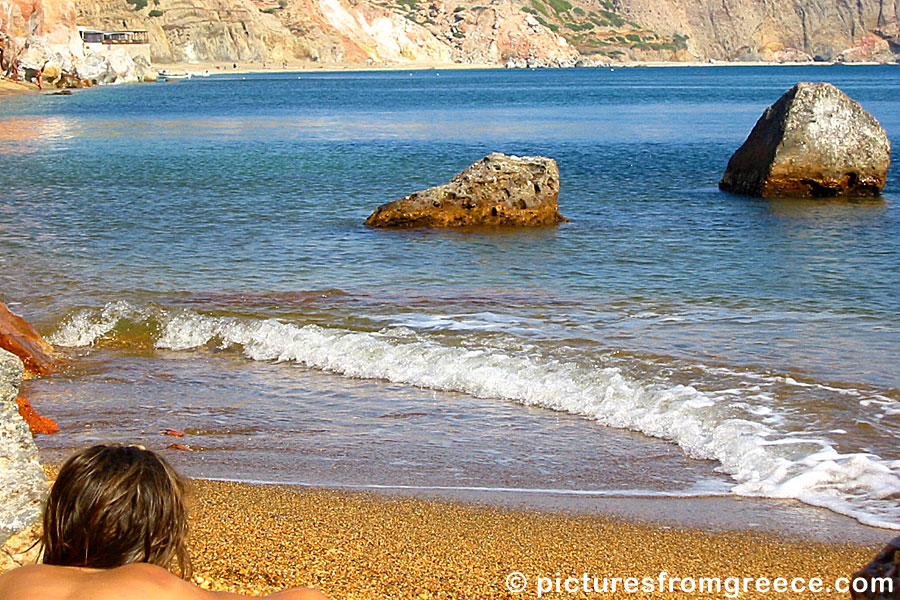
<point x="307" y="66"/>
<point x="13" y="88"/>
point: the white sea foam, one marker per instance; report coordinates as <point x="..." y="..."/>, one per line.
<point x="86" y="326"/>
<point x="757" y="448"/>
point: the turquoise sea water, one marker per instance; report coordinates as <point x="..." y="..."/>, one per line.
<point x="198" y="249"/>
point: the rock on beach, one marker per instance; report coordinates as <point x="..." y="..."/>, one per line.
<point x="23" y="484"/>
<point x="499" y="190"/>
<point x="814" y="142"/>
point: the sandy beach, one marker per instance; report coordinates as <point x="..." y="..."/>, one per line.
<point x="13" y="88"/>
<point x="257" y="539"/>
<point x="239" y="68"/>
<point x="242" y="68"/>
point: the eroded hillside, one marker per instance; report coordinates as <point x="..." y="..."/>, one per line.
<point x="513" y="32"/>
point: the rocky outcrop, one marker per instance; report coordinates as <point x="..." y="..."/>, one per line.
<point x="814" y="142"/>
<point x="23" y="484"/>
<point x="372" y="32"/>
<point x="42" y="36"/>
<point x="495" y="34"/>
<point x="517" y="33"/>
<point x="749" y="30"/>
<point x="115" y="67"/>
<point x="498" y="190"/>
<point x="870" y="48"/>
<point x="197" y="31"/>
<point x="20" y="338"/>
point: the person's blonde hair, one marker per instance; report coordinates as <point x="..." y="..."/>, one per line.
<point x="116" y="505"/>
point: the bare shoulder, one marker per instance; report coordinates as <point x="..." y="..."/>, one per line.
<point x="29" y="582"/>
<point x="138" y="581"/>
<point x="144" y="581"/>
<point x="131" y="582"/>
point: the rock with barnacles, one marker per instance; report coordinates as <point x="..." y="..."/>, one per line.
<point x="499" y="190"/>
<point x="815" y="141"/>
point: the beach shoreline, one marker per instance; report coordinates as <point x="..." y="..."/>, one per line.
<point x="260" y="538"/>
<point x="256" y="538"/>
<point x="9" y="87"/>
<point x="243" y="68"/>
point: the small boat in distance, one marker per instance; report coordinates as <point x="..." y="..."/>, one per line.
<point x="205" y="73"/>
<point x="167" y="75"/>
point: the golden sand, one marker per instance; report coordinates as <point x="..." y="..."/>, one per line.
<point x="257" y="539"/>
<point x="9" y="87"/>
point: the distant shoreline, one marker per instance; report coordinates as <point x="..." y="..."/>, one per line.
<point x="10" y="88"/>
<point x="243" y="68"/>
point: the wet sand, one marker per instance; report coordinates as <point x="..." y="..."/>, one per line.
<point x="257" y="539"/>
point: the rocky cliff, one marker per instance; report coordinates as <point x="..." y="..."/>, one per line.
<point x="512" y="32"/>
<point x="41" y="37"/>
<point x="330" y="31"/>
<point x="775" y="29"/>
<point x="523" y="32"/>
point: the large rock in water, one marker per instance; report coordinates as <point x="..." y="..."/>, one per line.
<point x="20" y="338"/>
<point x="814" y="142"/>
<point x="23" y="484"/>
<point x="497" y="190"/>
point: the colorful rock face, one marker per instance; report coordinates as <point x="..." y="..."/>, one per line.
<point x="498" y="190"/>
<point x="814" y="142"/>
<point x="20" y="338"/>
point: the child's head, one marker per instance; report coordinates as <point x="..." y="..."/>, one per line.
<point x="115" y="505"/>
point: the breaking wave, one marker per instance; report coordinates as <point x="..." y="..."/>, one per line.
<point x="753" y="442"/>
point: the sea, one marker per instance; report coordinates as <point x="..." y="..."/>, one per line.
<point x="196" y="250"/>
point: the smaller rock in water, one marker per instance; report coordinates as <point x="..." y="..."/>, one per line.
<point x="499" y="190"/>
<point x="815" y="142"/>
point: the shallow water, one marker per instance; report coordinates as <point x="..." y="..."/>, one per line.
<point x="199" y="247"/>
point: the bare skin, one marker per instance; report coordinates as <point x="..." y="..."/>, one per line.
<point x="138" y="581"/>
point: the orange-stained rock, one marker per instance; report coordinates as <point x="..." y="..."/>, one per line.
<point x="814" y="142"/>
<point x="498" y="190"/>
<point x="36" y="423"/>
<point x="179" y="447"/>
<point x="20" y="338"/>
<point x="172" y="432"/>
